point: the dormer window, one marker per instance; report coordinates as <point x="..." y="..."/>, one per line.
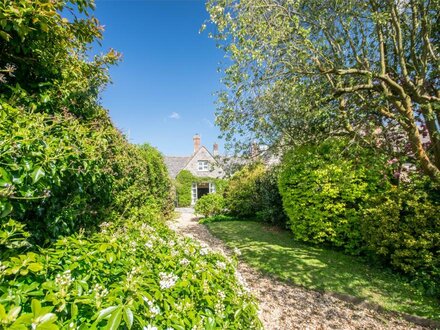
<point x="203" y="165"/>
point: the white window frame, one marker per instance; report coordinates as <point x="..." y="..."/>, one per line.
<point x="194" y="193"/>
<point x="203" y="165"/>
<point x="212" y="187"/>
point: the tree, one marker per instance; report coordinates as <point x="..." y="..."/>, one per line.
<point x="370" y="66"/>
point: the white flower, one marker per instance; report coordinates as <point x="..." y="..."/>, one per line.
<point x="155" y="310"/>
<point x="167" y="280"/>
<point x="149" y="245"/>
<point x="221" y="294"/>
<point x="237" y="251"/>
<point x="204" y="251"/>
<point x="220" y="264"/>
<point x="150" y="327"/>
<point x="184" y="262"/>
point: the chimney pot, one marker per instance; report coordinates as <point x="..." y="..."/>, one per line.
<point x="215" y="149"/>
<point x="196" y="140"/>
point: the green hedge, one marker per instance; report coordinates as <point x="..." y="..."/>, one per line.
<point x="83" y="242"/>
<point x="353" y="202"/>
<point x="253" y="192"/>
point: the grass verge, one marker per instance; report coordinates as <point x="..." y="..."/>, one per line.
<point x="274" y="251"/>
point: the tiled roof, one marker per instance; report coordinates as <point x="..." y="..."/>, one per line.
<point x="175" y="164"/>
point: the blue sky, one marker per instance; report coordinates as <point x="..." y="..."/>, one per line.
<point x="162" y="91"/>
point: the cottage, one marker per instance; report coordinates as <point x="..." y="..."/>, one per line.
<point x="202" y="164"/>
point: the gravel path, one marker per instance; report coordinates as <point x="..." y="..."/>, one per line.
<point x="284" y="306"/>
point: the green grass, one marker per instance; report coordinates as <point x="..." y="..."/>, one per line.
<point x="274" y="251"/>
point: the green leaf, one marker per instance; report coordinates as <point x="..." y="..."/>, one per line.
<point x="5" y="209"/>
<point x="36" y="307"/>
<point x="105" y="312"/>
<point x="6" y="176"/>
<point x="128" y="317"/>
<point x="35" y="267"/>
<point x="115" y="319"/>
<point x="37" y="174"/>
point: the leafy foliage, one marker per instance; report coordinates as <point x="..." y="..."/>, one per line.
<point x="241" y="193"/>
<point x="253" y="192"/>
<point x="184" y="181"/>
<point x="133" y="273"/>
<point x="324" y="193"/>
<point x="210" y="205"/>
<point x="402" y="226"/>
<point x="355" y="205"/>
<point x="82" y="240"/>
<point x="303" y="70"/>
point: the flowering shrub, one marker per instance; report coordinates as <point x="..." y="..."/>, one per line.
<point x="132" y="273"/>
<point x="210" y="204"/>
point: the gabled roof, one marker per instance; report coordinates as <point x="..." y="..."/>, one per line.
<point x="175" y="164"/>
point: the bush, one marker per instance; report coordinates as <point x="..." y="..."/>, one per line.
<point x="253" y="192"/>
<point x="403" y="227"/>
<point x="242" y="199"/>
<point x="210" y="205"/>
<point x="270" y="201"/>
<point x="349" y="201"/>
<point x="133" y="273"/>
<point x="184" y="181"/>
<point x="323" y="193"/>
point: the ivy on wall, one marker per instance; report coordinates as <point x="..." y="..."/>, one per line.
<point x="184" y="181"/>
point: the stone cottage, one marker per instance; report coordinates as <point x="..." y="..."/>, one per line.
<point x="202" y="164"/>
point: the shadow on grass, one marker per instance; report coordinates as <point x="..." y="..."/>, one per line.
<point x="275" y="252"/>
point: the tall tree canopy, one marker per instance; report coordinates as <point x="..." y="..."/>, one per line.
<point x="306" y="69"/>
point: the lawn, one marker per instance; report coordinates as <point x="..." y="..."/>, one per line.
<point x="274" y="251"/>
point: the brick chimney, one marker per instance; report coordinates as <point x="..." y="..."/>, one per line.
<point x="215" y="150"/>
<point x="196" y="139"/>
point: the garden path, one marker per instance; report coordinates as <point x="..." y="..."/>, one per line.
<point x="284" y="306"/>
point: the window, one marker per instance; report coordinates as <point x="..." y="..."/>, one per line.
<point x="203" y="165"/>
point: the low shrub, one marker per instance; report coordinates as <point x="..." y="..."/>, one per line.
<point x="270" y="200"/>
<point x="242" y="199"/>
<point x="134" y="273"/>
<point x="253" y="192"/>
<point x="210" y="205"/>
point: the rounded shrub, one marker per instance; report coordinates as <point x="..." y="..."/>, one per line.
<point x="210" y="205"/>
<point x="403" y="227"/>
<point x="323" y="194"/>
<point x="242" y="198"/>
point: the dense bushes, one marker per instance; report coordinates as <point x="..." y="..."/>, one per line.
<point x="133" y="273"/>
<point x="353" y="202"/>
<point x="82" y="239"/>
<point x="253" y="192"/>
<point x="210" y="205"/>
<point x="402" y="226"/>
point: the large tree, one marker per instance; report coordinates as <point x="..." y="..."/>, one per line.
<point x="301" y="69"/>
